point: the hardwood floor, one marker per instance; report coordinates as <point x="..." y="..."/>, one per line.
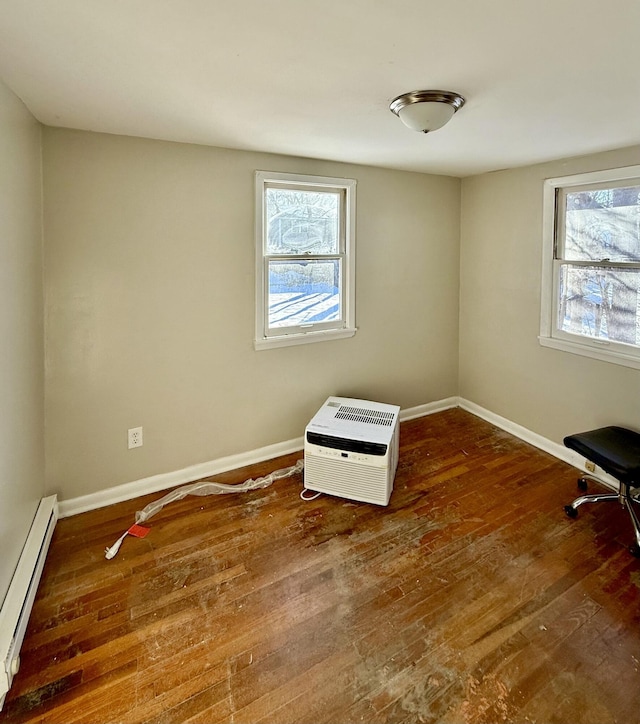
<point x="471" y="598"/>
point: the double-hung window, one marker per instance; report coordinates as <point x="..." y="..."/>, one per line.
<point x="591" y="273"/>
<point x="305" y="259"/>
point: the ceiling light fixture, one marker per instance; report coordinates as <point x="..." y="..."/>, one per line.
<point x="426" y="110"/>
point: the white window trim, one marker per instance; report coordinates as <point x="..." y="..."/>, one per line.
<point x="262" y="341"/>
<point x="550" y="336"/>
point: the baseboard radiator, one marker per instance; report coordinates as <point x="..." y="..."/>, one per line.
<point x="17" y="604"/>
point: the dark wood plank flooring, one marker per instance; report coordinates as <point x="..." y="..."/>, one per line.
<point x="471" y="598"/>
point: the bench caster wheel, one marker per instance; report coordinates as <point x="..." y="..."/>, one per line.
<point x="570" y="511"/>
<point x="635" y="550"/>
<point x="583" y="484"/>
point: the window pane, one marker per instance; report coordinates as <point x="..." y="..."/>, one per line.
<point x="303" y="292"/>
<point x="300" y="222"/>
<point x="600" y="303"/>
<point x="603" y="224"/>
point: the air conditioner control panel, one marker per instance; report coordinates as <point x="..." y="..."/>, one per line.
<point x="334" y="454"/>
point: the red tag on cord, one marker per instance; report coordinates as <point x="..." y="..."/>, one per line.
<point x="139" y="531"/>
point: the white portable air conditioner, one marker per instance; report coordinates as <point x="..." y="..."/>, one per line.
<point x="351" y="450"/>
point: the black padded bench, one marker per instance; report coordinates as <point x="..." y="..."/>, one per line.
<point x="617" y="451"/>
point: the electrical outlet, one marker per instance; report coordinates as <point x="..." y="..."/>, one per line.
<point x="134" y="436"/>
<point x="591" y="467"/>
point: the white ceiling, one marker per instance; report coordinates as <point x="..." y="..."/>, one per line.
<point x="543" y="79"/>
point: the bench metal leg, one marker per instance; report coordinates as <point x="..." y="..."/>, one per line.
<point x="572" y="510"/>
<point x="630" y="497"/>
<point x="626" y="497"/>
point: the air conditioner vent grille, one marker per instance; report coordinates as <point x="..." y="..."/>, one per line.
<point x="360" y="414"/>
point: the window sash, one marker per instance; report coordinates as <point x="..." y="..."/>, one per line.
<point x="592" y="311"/>
<point x="341" y="227"/>
<point x="277" y="330"/>
<point x="560" y="226"/>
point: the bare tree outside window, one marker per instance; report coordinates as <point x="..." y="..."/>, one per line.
<point x="300" y="222"/>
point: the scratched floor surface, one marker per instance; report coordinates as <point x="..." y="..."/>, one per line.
<point x="471" y="598"/>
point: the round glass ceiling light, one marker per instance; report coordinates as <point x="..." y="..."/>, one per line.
<point x="426" y="110"/>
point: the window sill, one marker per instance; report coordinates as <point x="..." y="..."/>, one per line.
<point x="604" y="355"/>
<point x="290" y="340"/>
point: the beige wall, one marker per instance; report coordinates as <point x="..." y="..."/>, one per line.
<point x="21" y="330"/>
<point x="149" y="258"/>
<point x="502" y="366"/>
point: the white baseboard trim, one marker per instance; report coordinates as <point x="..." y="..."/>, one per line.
<point x="411" y="413"/>
<point x="17" y="604"/>
<point x="157" y="483"/>
<point x="553" y="448"/>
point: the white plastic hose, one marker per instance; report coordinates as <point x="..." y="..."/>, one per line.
<point x="205" y="488"/>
